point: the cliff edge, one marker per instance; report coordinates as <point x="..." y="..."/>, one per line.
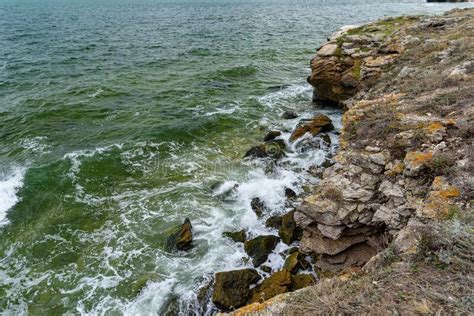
<point x="390" y="223"/>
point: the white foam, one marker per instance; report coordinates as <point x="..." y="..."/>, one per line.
<point x="9" y="186"/>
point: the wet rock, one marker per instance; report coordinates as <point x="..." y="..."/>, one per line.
<point x="295" y="261"/>
<point x="320" y="123"/>
<point x="273" y="149"/>
<point x="303" y="280"/>
<point x="266" y="269"/>
<point x="289" y="231"/>
<point x="239" y="236"/>
<point x="289" y="193"/>
<point x="355" y="256"/>
<point x="288" y="115"/>
<point x="232" y="288"/>
<point x="271" y="136"/>
<point x="257" y="206"/>
<point x="260" y="247"/>
<point x="274" y="222"/>
<point x="277" y="283"/>
<point x="182" y="238"/>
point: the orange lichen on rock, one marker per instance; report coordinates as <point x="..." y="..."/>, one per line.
<point x="416" y="158"/>
<point x="440" y="200"/>
<point x="434" y="127"/>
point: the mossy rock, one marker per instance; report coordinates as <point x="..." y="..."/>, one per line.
<point x="300" y="281"/>
<point x="274" y="222"/>
<point x="289" y="231"/>
<point x="272" y="149"/>
<point x="239" y="236"/>
<point x="260" y="247"/>
<point x="295" y="261"/>
<point x="277" y="283"/>
<point x="182" y="238"/>
<point x="232" y="288"/>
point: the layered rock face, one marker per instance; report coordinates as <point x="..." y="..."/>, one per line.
<point x="406" y="145"/>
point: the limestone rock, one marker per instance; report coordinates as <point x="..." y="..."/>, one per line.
<point x="327" y="50"/>
<point x="355" y="256"/>
<point x="333" y="232"/>
<point x="232" y="288"/>
<point x="314" y="242"/>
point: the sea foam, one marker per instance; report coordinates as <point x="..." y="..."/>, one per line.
<point x="9" y="185"/>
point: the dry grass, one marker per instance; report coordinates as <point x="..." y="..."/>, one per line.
<point x="436" y="280"/>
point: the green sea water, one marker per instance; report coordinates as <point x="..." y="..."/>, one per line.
<point x="116" y="120"/>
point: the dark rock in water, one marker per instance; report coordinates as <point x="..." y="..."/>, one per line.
<point x="273" y="222"/>
<point x="239" y="236"/>
<point x="327" y="163"/>
<point x="289" y="231"/>
<point x="266" y="269"/>
<point x="320" y="123"/>
<point x="203" y="295"/>
<point x="273" y="149"/>
<point x="300" y="281"/>
<point x="289" y="193"/>
<point x="277" y="283"/>
<point x="271" y="136"/>
<point x="288" y="115"/>
<point x="257" y="206"/>
<point x="231" y="289"/>
<point x="295" y="261"/>
<point x="260" y="247"/>
<point x="182" y="238"/>
<point x="326" y="138"/>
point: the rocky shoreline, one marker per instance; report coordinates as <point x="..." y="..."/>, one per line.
<point x="404" y="166"/>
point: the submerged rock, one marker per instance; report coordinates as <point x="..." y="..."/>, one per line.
<point x="232" y="288"/>
<point x="182" y="238"/>
<point x="289" y="231"/>
<point x="289" y="193"/>
<point x="239" y="236"/>
<point x="288" y="115"/>
<point x="277" y="283"/>
<point x="272" y="149"/>
<point x="271" y="136"/>
<point x="320" y="123"/>
<point x="257" y="206"/>
<point x="260" y="247"/>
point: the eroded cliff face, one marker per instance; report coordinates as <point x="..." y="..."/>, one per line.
<point x="405" y="163"/>
<point x="406" y="145"/>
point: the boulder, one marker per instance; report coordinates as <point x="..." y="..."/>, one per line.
<point x="277" y="283"/>
<point x="274" y="222"/>
<point x="295" y="261"/>
<point x="289" y="231"/>
<point x="260" y="247"/>
<point x="238" y="236"/>
<point x="320" y="123"/>
<point x="182" y="238"/>
<point x="232" y="288"/>
<point x="271" y="136"/>
<point x="328" y="50"/>
<point x="303" y="280"/>
<point x="288" y="115"/>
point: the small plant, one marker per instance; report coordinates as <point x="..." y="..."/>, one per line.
<point x="333" y="194"/>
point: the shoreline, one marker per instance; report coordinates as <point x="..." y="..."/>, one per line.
<point x="382" y="199"/>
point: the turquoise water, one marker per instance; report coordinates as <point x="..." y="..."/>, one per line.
<point x="116" y="119"/>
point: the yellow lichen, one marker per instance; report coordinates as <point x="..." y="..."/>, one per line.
<point x="416" y="158"/>
<point x="434" y="127"/>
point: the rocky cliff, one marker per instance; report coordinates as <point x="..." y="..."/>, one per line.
<point x="399" y="195"/>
